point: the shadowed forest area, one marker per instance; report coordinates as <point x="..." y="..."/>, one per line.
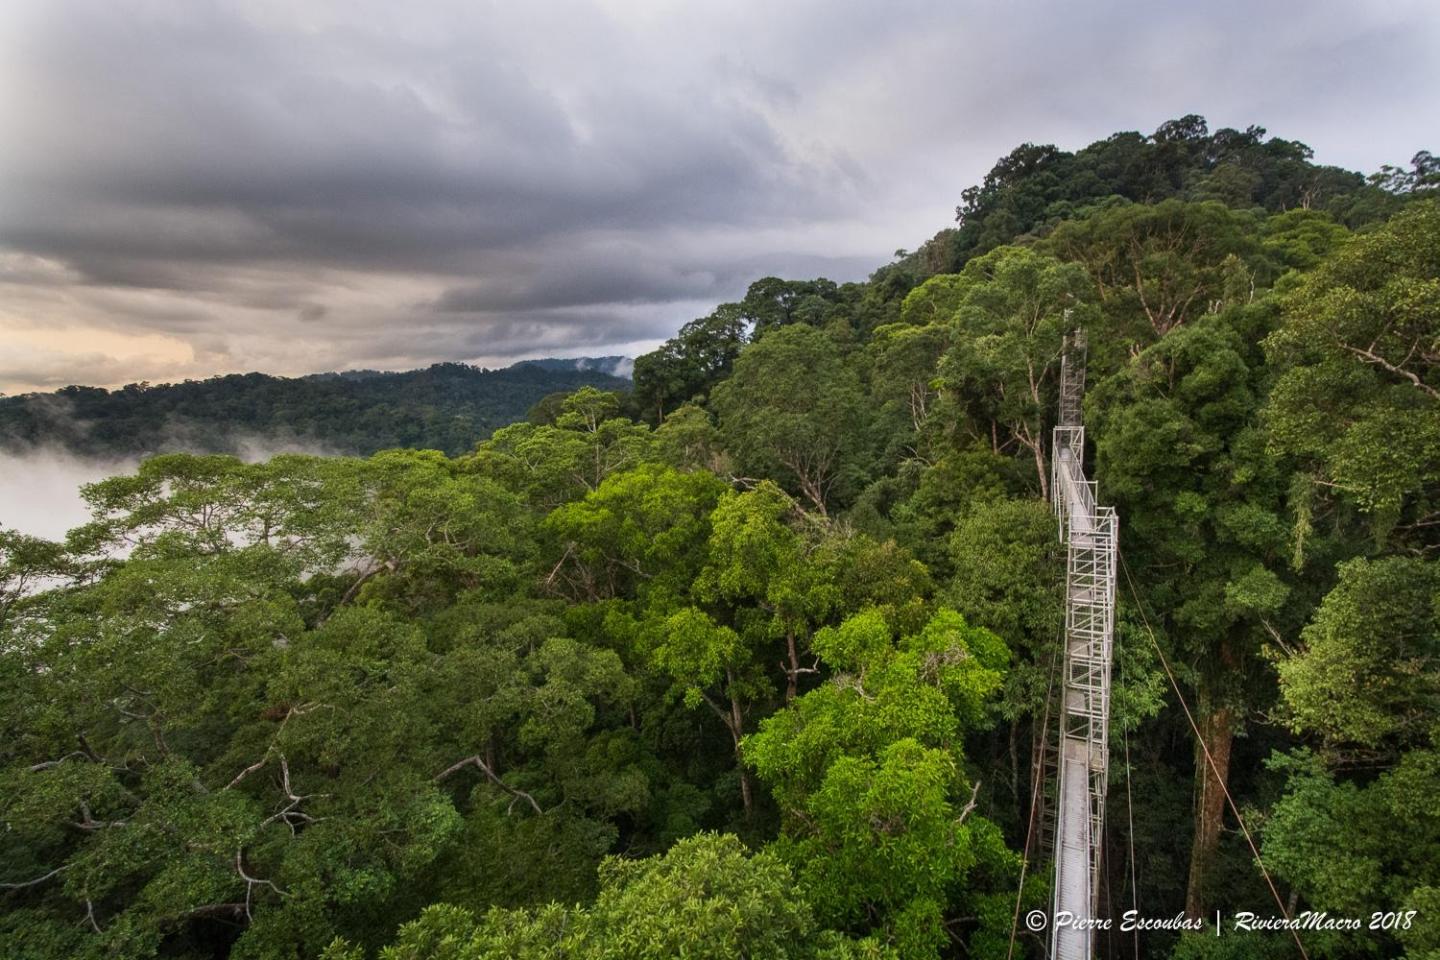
<point x="751" y="659"/>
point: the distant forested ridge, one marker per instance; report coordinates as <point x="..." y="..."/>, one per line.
<point x="448" y="407"/>
<point x="614" y="365"/>
<point x="754" y="661"/>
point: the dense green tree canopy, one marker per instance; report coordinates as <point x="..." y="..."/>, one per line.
<point x="759" y="658"/>
<point x="794" y="409"/>
<point x="1360" y="398"/>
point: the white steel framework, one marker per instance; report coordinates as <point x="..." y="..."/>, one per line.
<point x="1089" y="532"/>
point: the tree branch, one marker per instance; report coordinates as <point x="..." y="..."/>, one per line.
<point x="355" y="587"/>
<point x="248" y="770"/>
<point x="55" y="763"/>
<point x="291" y="810"/>
<point x="251" y="882"/>
<point x="479" y="763"/>
<point x="90" y="824"/>
<point x="969" y="807"/>
<point x="1379" y="361"/>
<point x="38" y="880"/>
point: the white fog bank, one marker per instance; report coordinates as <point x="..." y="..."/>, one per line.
<point x="40" y="488"/>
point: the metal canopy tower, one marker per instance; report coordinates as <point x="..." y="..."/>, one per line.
<point x="1089" y="533"/>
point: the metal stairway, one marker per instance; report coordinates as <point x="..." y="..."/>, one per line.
<point x="1089" y="532"/>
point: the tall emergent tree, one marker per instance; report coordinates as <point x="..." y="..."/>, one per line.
<point x="1180" y="451"/>
<point x="794" y="410"/>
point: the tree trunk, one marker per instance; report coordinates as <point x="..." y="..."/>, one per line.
<point x="1021" y="432"/>
<point x="1217" y="733"/>
<point x="1041" y="468"/>
<point x="737" y="733"/>
<point x="814" y="491"/>
<point x="1015" y="764"/>
<point x="792" y="675"/>
<point x="919" y="397"/>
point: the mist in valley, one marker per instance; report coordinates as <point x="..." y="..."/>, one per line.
<point x="40" y="489"/>
<point x="40" y="486"/>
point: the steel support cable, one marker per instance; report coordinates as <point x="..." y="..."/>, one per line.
<point x="1036" y="777"/>
<point x="1130" y="835"/>
<point x="1109" y="899"/>
<point x="1130" y="840"/>
<point x="1209" y="760"/>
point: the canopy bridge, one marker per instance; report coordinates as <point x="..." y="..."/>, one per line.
<point x="1090" y="533"/>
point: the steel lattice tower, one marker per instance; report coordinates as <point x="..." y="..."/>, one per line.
<point x="1089" y="533"/>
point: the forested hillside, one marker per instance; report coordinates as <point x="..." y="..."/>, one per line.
<point x="752" y="661"/>
<point x="449" y="407"/>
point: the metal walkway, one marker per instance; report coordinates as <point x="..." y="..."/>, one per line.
<point x="1090" y="533"/>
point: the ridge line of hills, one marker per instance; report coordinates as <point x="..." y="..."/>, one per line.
<point x="446" y="406"/>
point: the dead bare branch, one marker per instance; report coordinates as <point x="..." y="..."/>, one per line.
<point x="38" y="880"/>
<point x="479" y="763"/>
<point x="969" y="807"/>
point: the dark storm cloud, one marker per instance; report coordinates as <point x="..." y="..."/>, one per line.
<point x="198" y="136"/>
<point x="305" y="185"/>
<point x="620" y="275"/>
<point x="576" y="284"/>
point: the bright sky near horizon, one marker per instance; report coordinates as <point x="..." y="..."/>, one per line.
<point x="191" y="188"/>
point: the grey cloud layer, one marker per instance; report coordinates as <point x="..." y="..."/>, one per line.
<point x="202" y="137"/>
<point x="293" y="186"/>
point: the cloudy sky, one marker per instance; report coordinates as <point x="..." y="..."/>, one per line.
<point x="195" y="187"/>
